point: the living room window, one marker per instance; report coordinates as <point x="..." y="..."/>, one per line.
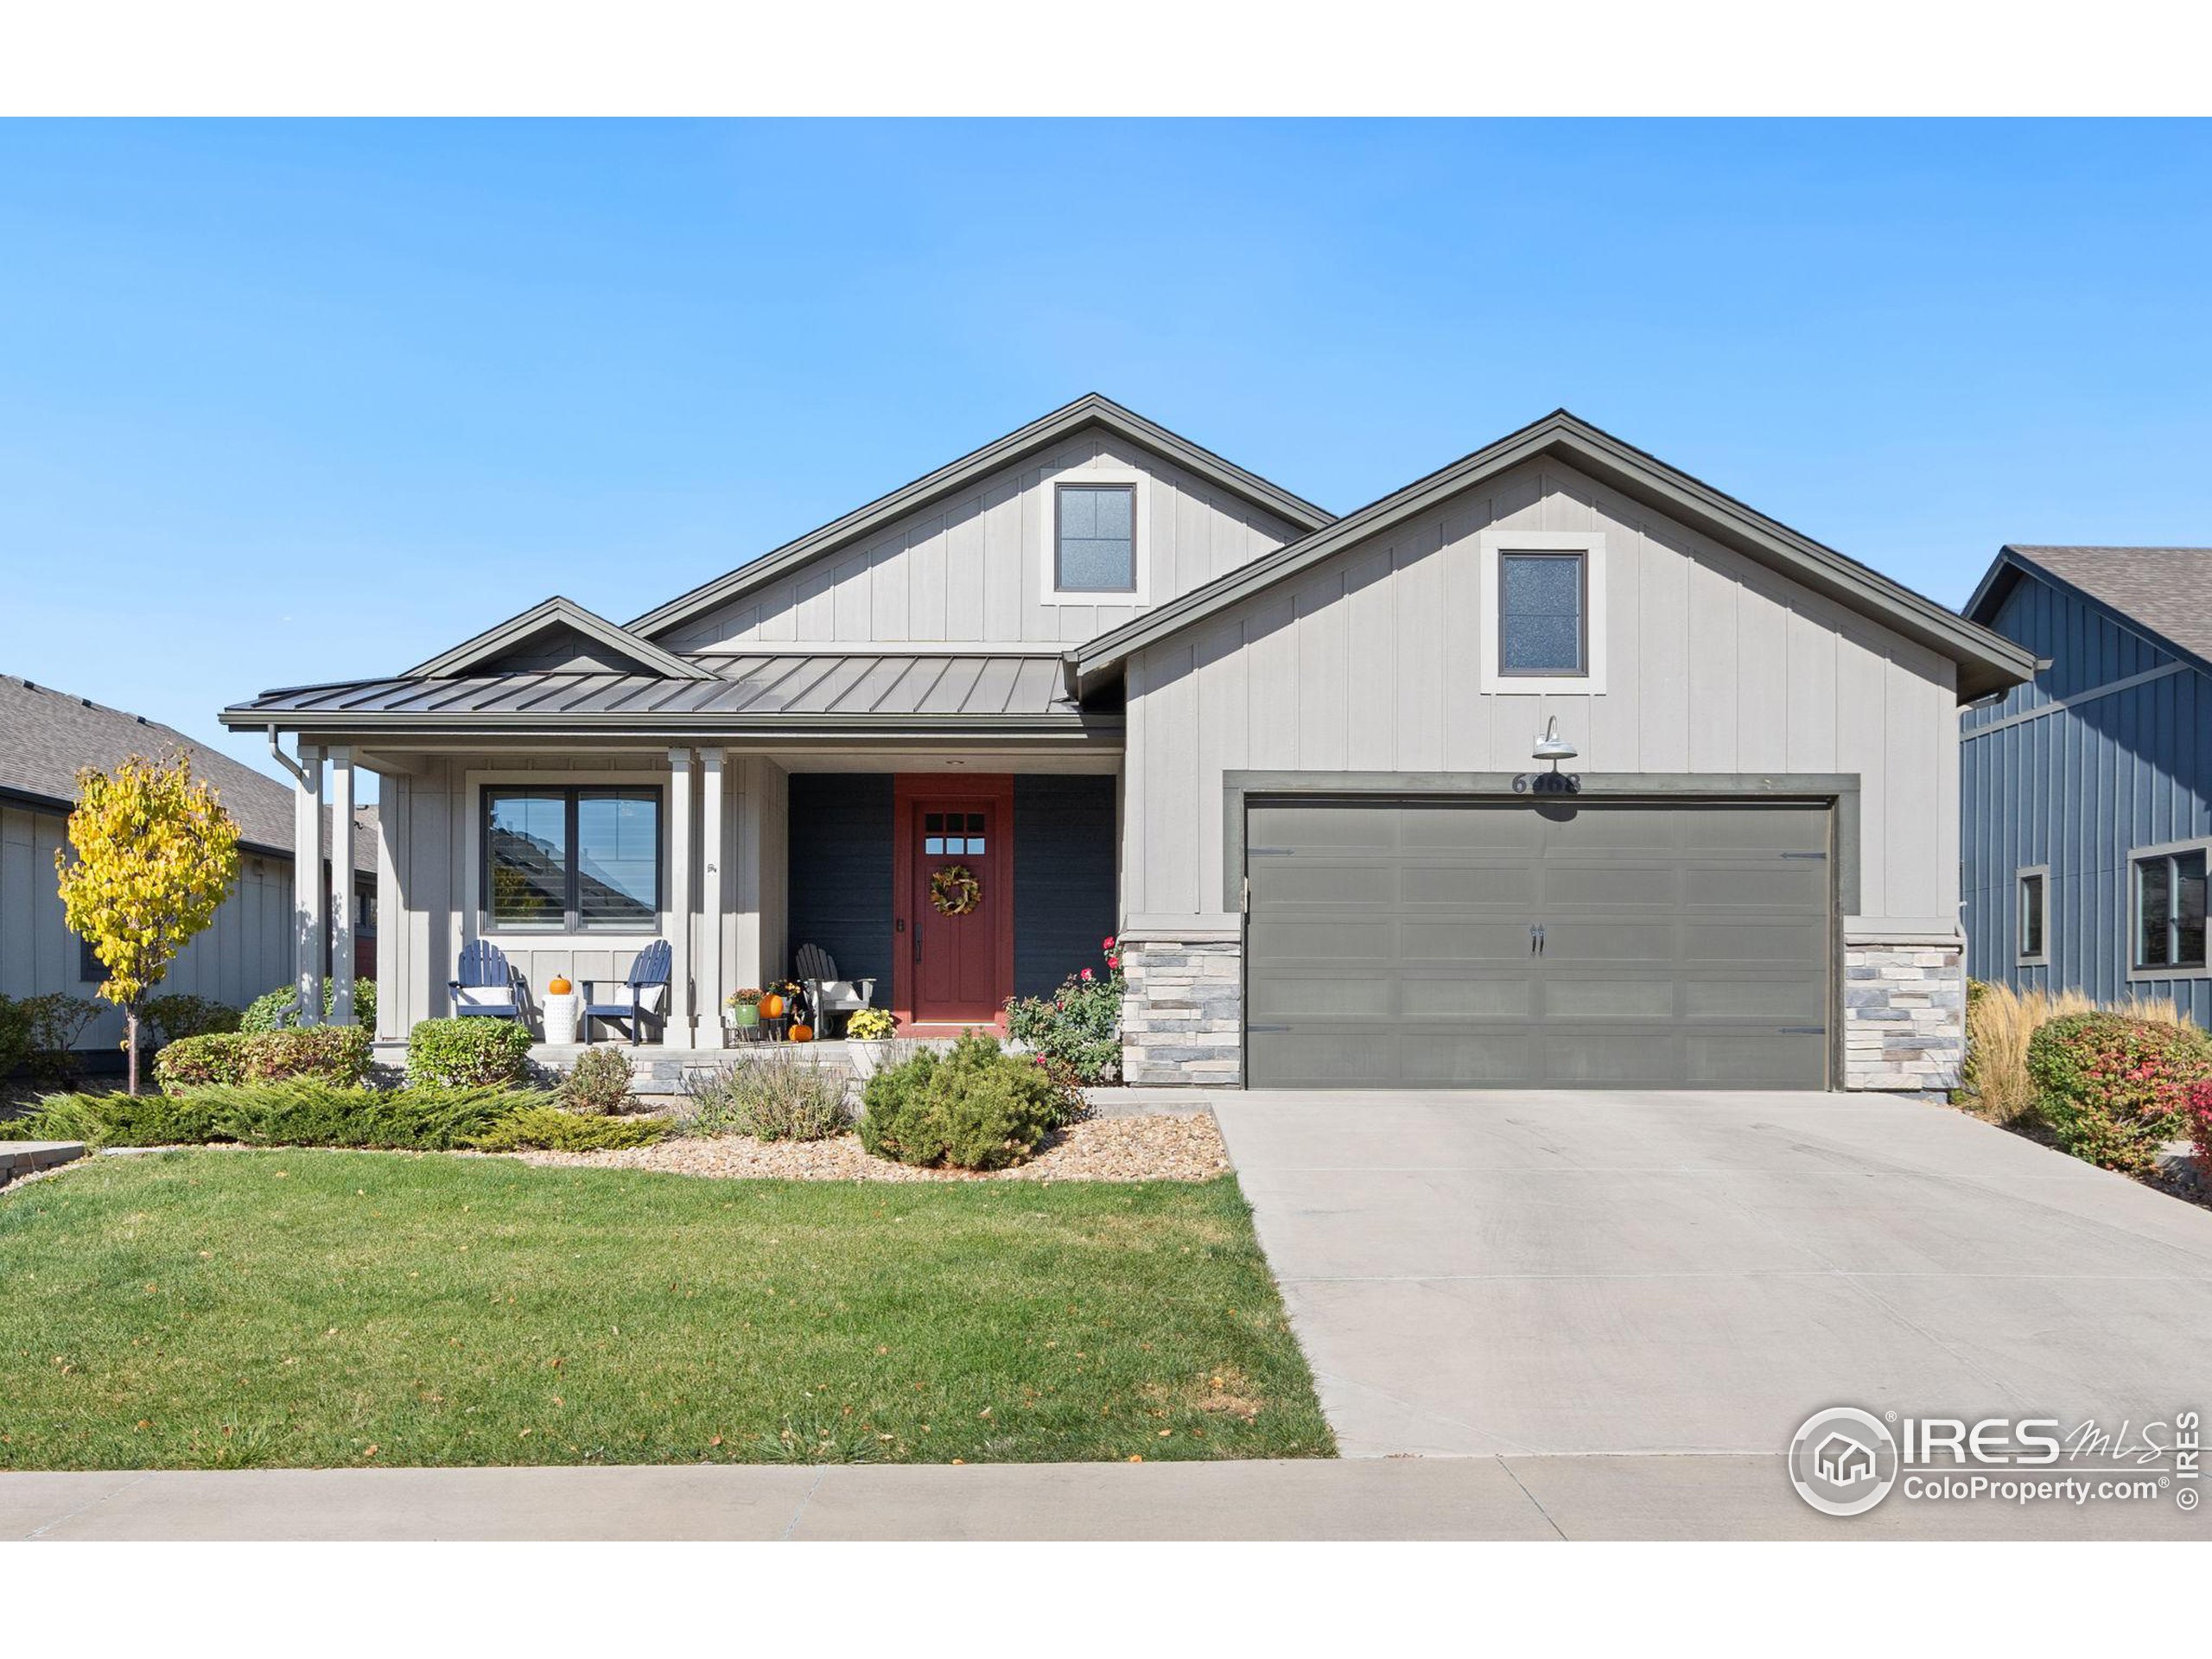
<point x="570" y="860"/>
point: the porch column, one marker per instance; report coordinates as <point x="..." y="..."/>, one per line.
<point x="307" y="893"/>
<point x="342" y="885"/>
<point x="679" y="898"/>
<point x="713" y="772"/>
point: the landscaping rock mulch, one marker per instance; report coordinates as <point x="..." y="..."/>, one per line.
<point x="1150" y="1148"/>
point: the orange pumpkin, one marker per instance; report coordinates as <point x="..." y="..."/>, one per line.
<point x="558" y="986"/>
<point x="772" y="1006"/>
<point x="801" y="1034"/>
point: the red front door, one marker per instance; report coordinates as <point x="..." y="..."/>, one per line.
<point x="955" y="900"/>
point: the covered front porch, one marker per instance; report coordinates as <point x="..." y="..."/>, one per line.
<point x="954" y="877"/>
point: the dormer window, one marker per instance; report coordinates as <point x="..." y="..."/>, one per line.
<point x="1094" y="539"/>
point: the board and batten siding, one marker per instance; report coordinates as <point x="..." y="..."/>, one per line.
<point x="971" y="569"/>
<point x="429" y="823"/>
<point x="246" y="951"/>
<point x="2077" y="790"/>
<point x="1371" y="662"/>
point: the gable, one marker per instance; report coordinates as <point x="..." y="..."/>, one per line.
<point x="557" y="636"/>
<point x="1986" y="662"/>
<point x="974" y="568"/>
<point x="960" y="479"/>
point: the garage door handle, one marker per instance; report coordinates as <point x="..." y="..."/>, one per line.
<point x="1536" y="938"/>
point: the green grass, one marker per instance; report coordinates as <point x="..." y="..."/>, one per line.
<point x="234" y="1309"/>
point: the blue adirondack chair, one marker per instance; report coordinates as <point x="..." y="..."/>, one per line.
<point x="629" y="1005"/>
<point x="486" y="984"/>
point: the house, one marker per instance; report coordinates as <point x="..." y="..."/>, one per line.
<point x="47" y="737"/>
<point x="1129" y="687"/>
<point x="2088" y="806"/>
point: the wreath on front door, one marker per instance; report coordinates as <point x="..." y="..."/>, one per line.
<point x="954" y="890"/>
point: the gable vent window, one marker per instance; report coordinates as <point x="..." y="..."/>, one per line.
<point x="1543" y="613"/>
<point x="1096" y="550"/>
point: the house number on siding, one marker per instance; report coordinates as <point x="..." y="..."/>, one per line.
<point x="1548" y="783"/>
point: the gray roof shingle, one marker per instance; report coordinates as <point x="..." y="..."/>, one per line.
<point x="2167" y="589"/>
<point x="46" y="736"/>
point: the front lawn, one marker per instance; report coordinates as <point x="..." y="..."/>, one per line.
<point x="229" y="1309"/>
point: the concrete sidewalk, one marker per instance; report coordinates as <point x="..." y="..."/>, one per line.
<point x="1720" y="1497"/>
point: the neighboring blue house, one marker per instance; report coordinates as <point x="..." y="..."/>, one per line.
<point x="2087" y="817"/>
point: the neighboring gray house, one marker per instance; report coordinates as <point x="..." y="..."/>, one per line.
<point x="2087" y="814"/>
<point x="1287" y="759"/>
<point x="46" y="737"/>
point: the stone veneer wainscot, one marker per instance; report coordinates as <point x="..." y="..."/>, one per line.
<point x="1905" y="1019"/>
<point x="1183" y="1011"/>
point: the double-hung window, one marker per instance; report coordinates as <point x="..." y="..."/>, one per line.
<point x="2170" y="894"/>
<point x="569" y="860"/>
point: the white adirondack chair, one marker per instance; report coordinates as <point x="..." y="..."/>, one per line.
<point x="827" y="994"/>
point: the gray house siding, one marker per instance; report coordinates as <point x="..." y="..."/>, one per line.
<point x="2076" y="789"/>
<point x="246" y="951"/>
<point x="1065" y="836"/>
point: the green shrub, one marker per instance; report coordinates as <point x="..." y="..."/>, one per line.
<point x="296" y="1112"/>
<point x="598" y="1083"/>
<point x="550" y="1129"/>
<point x="51" y="1026"/>
<point x="178" y="1016"/>
<point x="303" y="1112"/>
<point x="1076" y="1030"/>
<point x="474" y="1052"/>
<point x="2114" y="1088"/>
<point x="333" y="1054"/>
<point x="974" y="1108"/>
<point x="773" y="1096"/>
<point x="271" y="1011"/>
<point x="116" y="1121"/>
<point x="14" y="1036"/>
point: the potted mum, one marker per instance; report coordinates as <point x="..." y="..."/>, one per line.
<point x="867" y="1040"/>
<point x="745" y="1008"/>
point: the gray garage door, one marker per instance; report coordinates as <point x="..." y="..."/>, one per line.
<point x="1537" y="944"/>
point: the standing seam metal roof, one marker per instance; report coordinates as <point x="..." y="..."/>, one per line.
<point x="885" y="684"/>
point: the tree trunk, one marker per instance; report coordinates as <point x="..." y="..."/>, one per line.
<point x="131" y="1042"/>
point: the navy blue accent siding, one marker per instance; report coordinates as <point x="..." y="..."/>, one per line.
<point x="2079" y="790"/>
<point x="1064" y="868"/>
<point x="839" y="893"/>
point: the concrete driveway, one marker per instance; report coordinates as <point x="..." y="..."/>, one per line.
<point x="1619" y="1273"/>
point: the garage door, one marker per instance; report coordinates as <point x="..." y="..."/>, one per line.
<point x="1541" y="944"/>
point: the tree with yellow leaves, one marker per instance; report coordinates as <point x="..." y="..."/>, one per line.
<point x="155" y="857"/>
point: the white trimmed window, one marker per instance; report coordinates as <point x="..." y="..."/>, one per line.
<point x="1543" y="608"/>
<point x="1094" y="537"/>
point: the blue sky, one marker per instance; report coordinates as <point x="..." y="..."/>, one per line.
<point x="287" y="403"/>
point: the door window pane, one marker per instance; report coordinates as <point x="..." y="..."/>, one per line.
<point x="1540" y="614"/>
<point x="1096" y="551"/>
<point x="617" y="857"/>
<point x="526" y="850"/>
